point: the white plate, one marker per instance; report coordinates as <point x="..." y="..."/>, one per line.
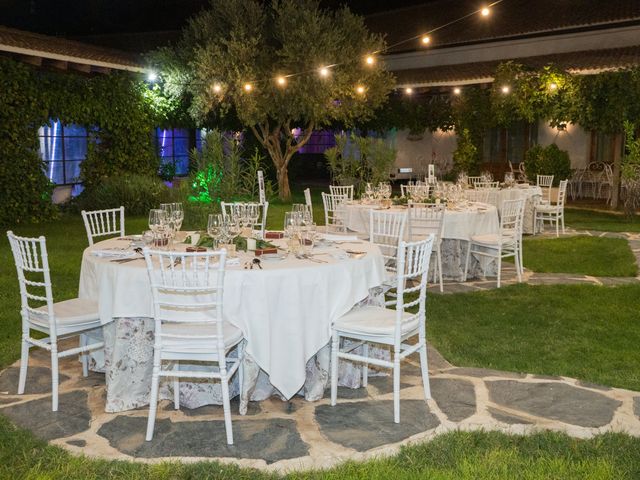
<point x="272" y="257"/>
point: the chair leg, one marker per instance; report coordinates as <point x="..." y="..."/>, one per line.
<point x="153" y="403"/>
<point x="424" y="367"/>
<point x="335" y="345"/>
<point x="84" y="356"/>
<point x="499" y="266"/>
<point x="562" y="223"/>
<point x="365" y="365"/>
<point x="24" y="365"/>
<point x="466" y="263"/>
<point x="176" y="389"/>
<point x="557" y="226"/>
<point x="396" y="386"/>
<point x="516" y="259"/>
<point x="226" y="406"/>
<point x="54" y="377"/>
<point x="439" y="253"/>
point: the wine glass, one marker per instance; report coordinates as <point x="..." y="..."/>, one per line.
<point x="253" y="213"/>
<point x="178" y="215"/>
<point x="157" y="219"/>
<point x="308" y="234"/>
<point x="215" y="227"/>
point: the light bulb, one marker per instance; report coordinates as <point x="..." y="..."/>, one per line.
<point x="324" y="72"/>
<point x="217" y="88"/>
<point x="152" y="76"/>
<point x="553" y="86"/>
<point x="360" y="89"/>
<point x="457" y="91"/>
<point x="485" y="12"/>
<point x="426" y="39"/>
<point x="282" y="81"/>
<point x="248" y="87"/>
<point x="408" y="90"/>
<point x="506" y="89"/>
<point x="370" y="60"/>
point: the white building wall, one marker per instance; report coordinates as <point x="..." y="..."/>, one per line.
<point x="574" y="139"/>
<point x="418" y="151"/>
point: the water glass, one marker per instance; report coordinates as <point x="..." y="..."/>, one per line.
<point x="157" y="219"/>
<point x="215" y="227"/>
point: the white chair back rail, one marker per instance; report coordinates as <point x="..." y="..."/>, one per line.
<point x="333" y="211"/>
<point x="307" y="201"/>
<point x="229" y="207"/>
<point x="100" y="223"/>
<point x="262" y="196"/>
<point x="38" y="311"/>
<point x="346" y="190"/>
<point x="511" y="220"/>
<point x="386" y="230"/>
<point x="425" y="219"/>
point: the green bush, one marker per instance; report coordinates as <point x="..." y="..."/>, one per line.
<point x="137" y="193"/>
<point x="465" y="157"/>
<point x="549" y="160"/>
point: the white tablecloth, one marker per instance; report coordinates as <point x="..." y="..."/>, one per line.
<point x="285" y="311"/>
<point x="459" y="224"/>
<point x="530" y="195"/>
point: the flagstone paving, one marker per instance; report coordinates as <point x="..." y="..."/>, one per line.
<point x="296" y="434"/>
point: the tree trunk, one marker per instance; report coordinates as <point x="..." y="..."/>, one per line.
<point x="284" y="192"/>
<point x="617" y="163"/>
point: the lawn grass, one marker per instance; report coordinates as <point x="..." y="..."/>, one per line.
<point x="452" y="456"/>
<point x="600" y="257"/>
<point x="601" y="221"/>
<point x="583" y="331"/>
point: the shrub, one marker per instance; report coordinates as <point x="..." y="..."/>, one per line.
<point x="549" y="160"/>
<point x="465" y="157"/>
<point x="137" y="193"/>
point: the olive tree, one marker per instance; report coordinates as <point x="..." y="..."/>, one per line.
<point x="264" y="63"/>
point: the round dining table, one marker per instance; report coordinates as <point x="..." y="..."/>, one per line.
<point x="285" y="311"/>
<point x="460" y="223"/>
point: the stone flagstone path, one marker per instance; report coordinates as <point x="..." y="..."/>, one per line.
<point x="286" y="435"/>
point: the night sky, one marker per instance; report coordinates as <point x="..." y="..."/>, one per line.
<point x="87" y="17"/>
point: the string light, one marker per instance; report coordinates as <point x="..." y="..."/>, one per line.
<point x="152" y="76"/>
<point x="248" y="87"/>
<point x="457" y="91"/>
<point x="324" y="72"/>
<point x="505" y="89"/>
<point x="426" y="39"/>
<point x="217" y="88"/>
<point x="485" y="12"/>
<point x="553" y="86"/>
<point x="408" y="90"/>
<point x="360" y="89"/>
<point x="282" y="81"/>
<point x="370" y="60"/>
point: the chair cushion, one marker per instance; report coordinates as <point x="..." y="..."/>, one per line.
<point x="547" y="208"/>
<point x="76" y="311"/>
<point x="232" y="335"/>
<point x="492" y="239"/>
<point x="374" y="321"/>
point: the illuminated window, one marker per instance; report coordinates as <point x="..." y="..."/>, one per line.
<point x="62" y="149"/>
<point x="172" y="146"/>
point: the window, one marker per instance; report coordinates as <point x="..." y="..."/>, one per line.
<point x="63" y="148"/>
<point x="319" y="141"/>
<point x="605" y="147"/>
<point x="172" y="146"/>
<point x="502" y="145"/>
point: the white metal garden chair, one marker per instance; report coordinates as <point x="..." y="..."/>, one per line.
<point x="334" y="212"/>
<point x="263" y="208"/>
<point x="100" y="223"/>
<point x="545" y="183"/>
<point x="307" y="201"/>
<point x="506" y="243"/>
<point x="187" y="291"/>
<point x="386" y="230"/>
<point x="262" y="196"/>
<point x="387" y="326"/>
<point x="58" y="320"/>
<point x="552" y="213"/>
<point x="428" y="219"/>
<point x="346" y="190"/>
<point x="474" y="180"/>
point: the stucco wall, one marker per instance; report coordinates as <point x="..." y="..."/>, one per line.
<point x="416" y="153"/>
<point x="573" y="139"/>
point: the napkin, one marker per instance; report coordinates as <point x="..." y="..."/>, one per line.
<point x="340" y="238"/>
<point x="113" y="252"/>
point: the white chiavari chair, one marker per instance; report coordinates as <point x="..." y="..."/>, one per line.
<point x="386" y="230"/>
<point x="307" y="201"/>
<point x="545" y="182"/>
<point x="187" y="290"/>
<point x="428" y="219"/>
<point x="334" y="212"/>
<point x="39" y="313"/>
<point x="345" y="190"/>
<point x="263" y="208"/>
<point x="553" y="213"/>
<point x="100" y="223"/>
<point x="381" y="325"/>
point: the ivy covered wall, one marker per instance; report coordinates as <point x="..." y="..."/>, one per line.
<point x="120" y="106"/>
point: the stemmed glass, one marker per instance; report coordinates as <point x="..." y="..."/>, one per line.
<point x="157" y="219"/>
<point x="178" y="215"/>
<point x="308" y="237"/>
<point x="253" y="213"/>
<point x="215" y="228"/>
